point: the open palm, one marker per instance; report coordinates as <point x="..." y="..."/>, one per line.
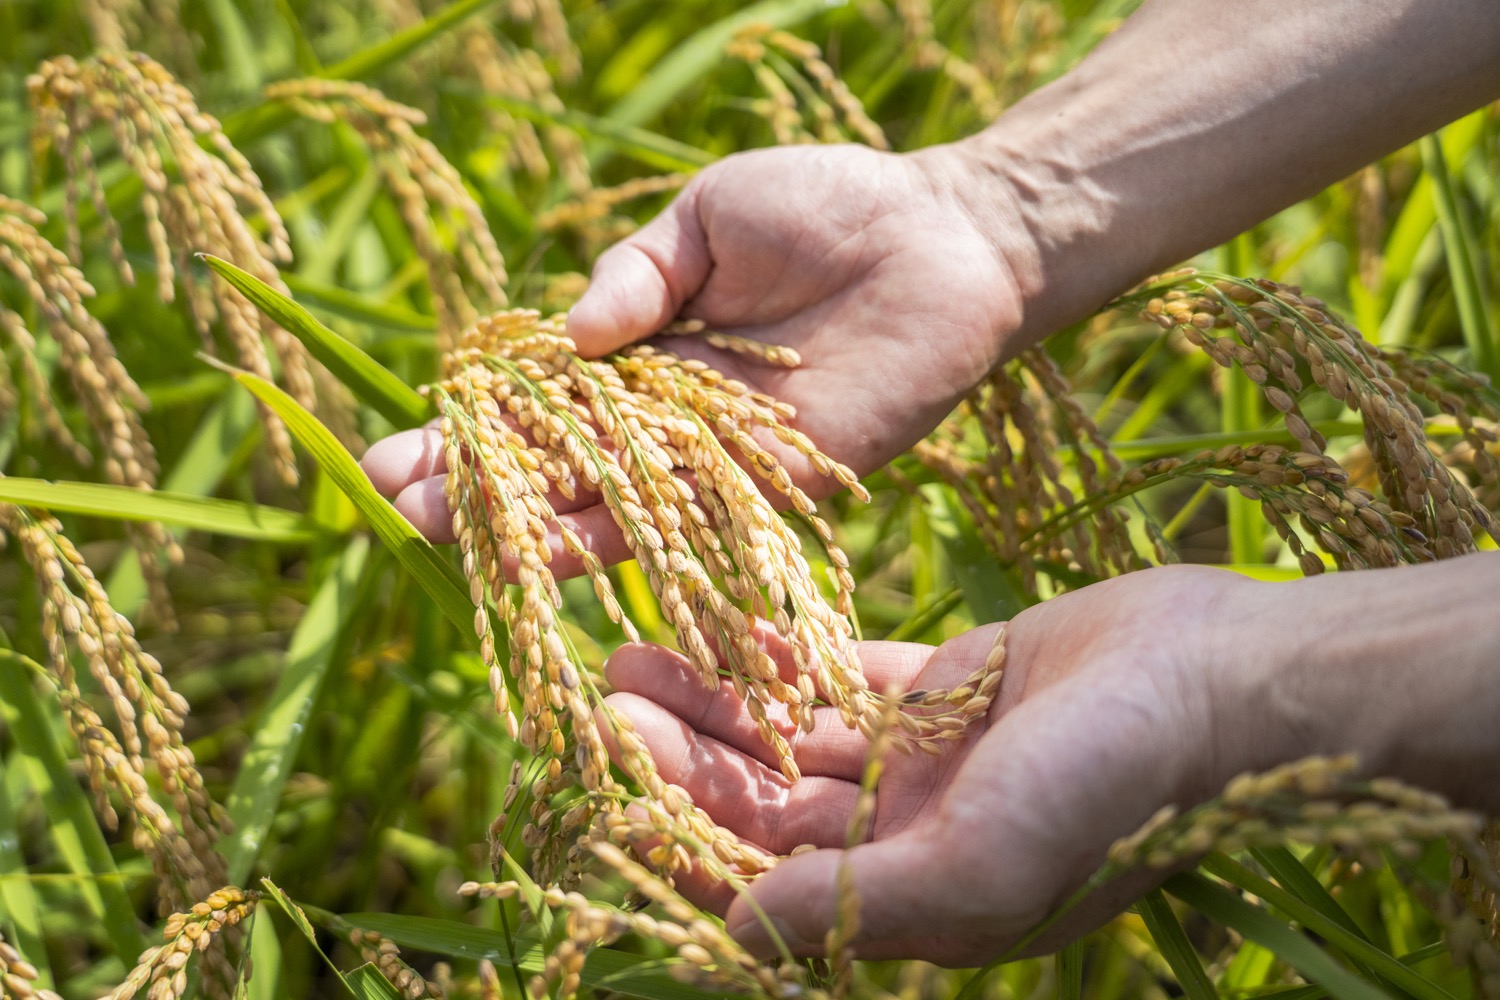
<point x="874" y="267"/>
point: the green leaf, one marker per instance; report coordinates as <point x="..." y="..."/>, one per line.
<point x="20" y="912"/>
<point x="700" y="54"/>
<point x="367" y="983"/>
<point x="299" y="919"/>
<point x="70" y="816"/>
<point x="435" y="574"/>
<point x="125" y="503"/>
<point x="1070" y="971"/>
<point x="1166" y="930"/>
<point x="360" y="373"/>
<point x="1254" y="923"/>
<point x="1463" y="255"/>
<point x="273" y="748"/>
<point x="1333" y="931"/>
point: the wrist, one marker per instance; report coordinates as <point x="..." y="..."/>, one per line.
<point x="1395" y="666"/>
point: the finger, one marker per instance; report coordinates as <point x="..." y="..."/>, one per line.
<point x="830" y="749"/>
<point x="900" y="901"/>
<point x="667" y="678"/>
<point x="739" y="792"/>
<point x="639" y="284"/>
<point x="425" y="504"/>
<point x="396" y="463"/>
<point x="404" y="458"/>
<point x="693" y="883"/>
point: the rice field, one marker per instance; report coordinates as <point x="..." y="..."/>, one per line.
<point x="261" y="737"/>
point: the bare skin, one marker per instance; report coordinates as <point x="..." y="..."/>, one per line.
<point x="901" y="281"/>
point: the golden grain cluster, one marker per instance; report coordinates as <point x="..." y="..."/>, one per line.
<point x="199" y="195"/>
<point x="678" y="454"/>
<point x="1044" y="486"/>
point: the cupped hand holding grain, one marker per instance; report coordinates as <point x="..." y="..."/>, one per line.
<point x="1151" y="689"/>
<point x="876" y="269"/>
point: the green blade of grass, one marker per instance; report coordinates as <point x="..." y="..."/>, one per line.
<point x="1333" y="931"/>
<point x="19" y="907"/>
<point x="1256" y="924"/>
<point x="273" y="749"/>
<point x="1435" y="950"/>
<point x="360" y="373"/>
<point x="1458" y="244"/>
<point x="265" y="954"/>
<point x="71" y="824"/>
<point x="1296" y="879"/>
<point x="367" y="983"/>
<point x="434" y="573"/>
<point x="701" y="53"/>
<point x="124" y="503"/>
<point x="1166" y="930"/>
<point x="365" y="990"/>
<point x="1070" y="971"/>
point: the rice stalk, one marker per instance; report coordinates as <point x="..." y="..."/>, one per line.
<point x="120" y="25"/>
<point x="806" y="101"/>
<point x="382" y="952"/>
<point x="162" y="970"/>
<point x="1274" y="334"/>
<point x="1317" y="800"/>
<point x="668" y="445"/>
<point x="502" y="68"/>
<point x="110" y="399"/>
<point x="200" y="194"/>
<point x="448" y="228"/>
<point x="17" y="976"/>
<point x="148" y="716"/>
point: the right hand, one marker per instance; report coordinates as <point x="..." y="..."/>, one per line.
<point x="883" y="271"/>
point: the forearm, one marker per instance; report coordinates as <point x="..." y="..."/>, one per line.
<point x="1197" y="119"/>
<point x="1399" y="666"/>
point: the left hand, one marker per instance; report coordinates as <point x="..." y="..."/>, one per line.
<point x="1117" y="699"/>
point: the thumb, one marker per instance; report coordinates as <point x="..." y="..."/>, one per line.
<point x="640" y="283"/>
<point x="901" y="904"/>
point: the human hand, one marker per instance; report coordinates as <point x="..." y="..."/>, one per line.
<point x="884" y="272"/>
<point x="1117" y="699"/>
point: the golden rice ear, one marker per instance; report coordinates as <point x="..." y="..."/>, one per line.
<point x="197" y="930"/>
<point x="78" y="620"/>
<point x="449" y="230"/>
<point x="108" y="396"/>
<point x="209" y="201"/>
<point x="805" y="99"/>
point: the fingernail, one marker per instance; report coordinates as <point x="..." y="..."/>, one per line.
<point x="756" y="938"/>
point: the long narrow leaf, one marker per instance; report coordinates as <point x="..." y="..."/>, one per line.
<point x="1166" y="930"/>
<point x="1254" y="923"/>
<point x="1463" y="268"/>
<point x="435" y="574"/>
<point x="71" y="823"/>
<point x="124" y="503"/>
<point x="273" y="748"/>
<point x="18" y="897"/>
<point x="1353" y="945"/>
<point x="365" y="990"/>
<point x="360" y="373"/>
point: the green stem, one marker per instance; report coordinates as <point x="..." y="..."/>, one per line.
<point x="1458" y="244"/>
